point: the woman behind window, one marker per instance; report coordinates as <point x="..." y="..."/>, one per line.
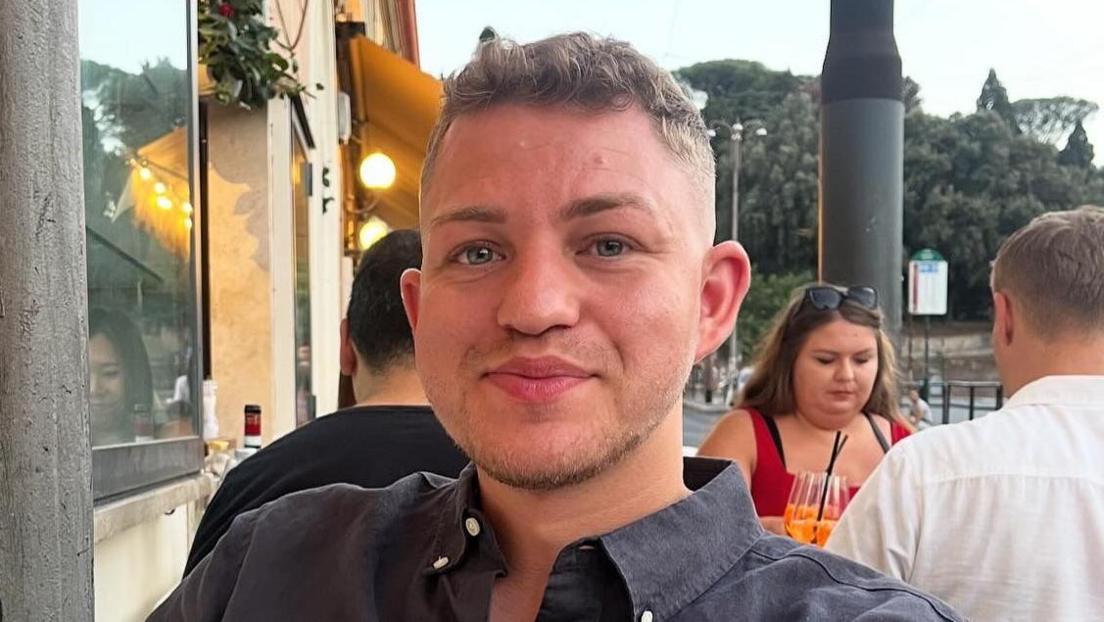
<point x="825" y="366"/>
<point x="120" y="382"/>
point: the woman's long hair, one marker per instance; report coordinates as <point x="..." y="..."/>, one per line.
<point x="127" y="340"/>
<point x="770" y="389"/>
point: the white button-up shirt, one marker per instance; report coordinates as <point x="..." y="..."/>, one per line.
<point x="1002" y="517"/>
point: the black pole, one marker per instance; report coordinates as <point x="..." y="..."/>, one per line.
<point x="861" y="153"/>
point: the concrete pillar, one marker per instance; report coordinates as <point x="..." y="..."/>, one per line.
<point x="45" y="453"/>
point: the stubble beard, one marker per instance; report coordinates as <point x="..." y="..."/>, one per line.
<point x="581" y="460"/>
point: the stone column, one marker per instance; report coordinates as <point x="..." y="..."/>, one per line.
<point x="45" y="454"/>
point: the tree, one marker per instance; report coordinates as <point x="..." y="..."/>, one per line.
<point x="778" y="173"/>
<point x="969" y="180"/>
<point x="1048" y="119"/>
<point x="910" y="94"/>
<point x="739" y="89"/>
<point x="1078" y="151"/>
<point x="994" y="97"/>
<point x="766" y="298"/>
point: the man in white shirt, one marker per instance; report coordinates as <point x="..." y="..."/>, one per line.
<point x="1003" y="517"/>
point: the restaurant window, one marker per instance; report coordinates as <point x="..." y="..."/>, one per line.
<point x="300" y="202"/>
<point x="140" y="221"/>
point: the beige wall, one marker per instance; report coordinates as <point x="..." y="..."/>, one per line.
<point x="240" y="246"/>
<point x="135" y="569"/>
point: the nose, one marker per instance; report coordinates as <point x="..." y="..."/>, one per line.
<point x="95" y="383"/>
<point x="540" y="294"/>
<point x="845" y="370"/>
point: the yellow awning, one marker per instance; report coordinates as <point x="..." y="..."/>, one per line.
<point x="395" y="106"/>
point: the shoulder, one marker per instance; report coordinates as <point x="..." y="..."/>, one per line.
<point x="732" y="436"/>
<point x="323" y="502"/>
<point x="820" y="582"/>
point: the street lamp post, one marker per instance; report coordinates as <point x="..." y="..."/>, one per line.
<point x="736" y="140"/>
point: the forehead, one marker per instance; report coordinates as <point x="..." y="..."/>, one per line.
<point x="517" y="153"/>
<point x="839" y="335"/>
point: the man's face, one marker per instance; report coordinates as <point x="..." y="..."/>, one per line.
<point x="556" y="315"/>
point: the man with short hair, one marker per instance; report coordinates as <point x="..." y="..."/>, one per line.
<point x="568" y="284"/>
<point x="389" y="434"/>
<point x="1002" y="516"/>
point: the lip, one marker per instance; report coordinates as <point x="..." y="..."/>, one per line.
<point x="542" y="379"/>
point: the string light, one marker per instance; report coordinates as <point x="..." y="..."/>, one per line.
<point x="159" y="188"/>
<point x="164" y="202"/>
<point x="371" y="231"/>
<point x="377" y="171"/>
<point x="144" y="173"/>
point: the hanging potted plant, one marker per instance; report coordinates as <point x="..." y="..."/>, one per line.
<point x="236" y="46"/>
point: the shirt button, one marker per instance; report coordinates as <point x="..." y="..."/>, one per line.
<point x="440" y="563"/>
<point x="646" y="616"/>
<point x="473" y="527"/>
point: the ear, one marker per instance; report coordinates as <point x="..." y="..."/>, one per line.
<point x="727" y="276"/>
<point x="1003" y="319"/>
<point x="410" y="284"/>
<point x="348" y="351"/>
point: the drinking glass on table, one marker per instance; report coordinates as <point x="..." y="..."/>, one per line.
<point x="804" y="519"/>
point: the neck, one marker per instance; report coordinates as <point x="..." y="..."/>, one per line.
<point x="823" y="425"/>
<point x="532" y="527"/>
<point x="1066" y="357"/>
<point x="398" y="385"/>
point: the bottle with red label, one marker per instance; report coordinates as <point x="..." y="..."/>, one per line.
<point x="252" y="426"/>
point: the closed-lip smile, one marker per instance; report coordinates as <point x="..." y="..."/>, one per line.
<point x="541" y="379"/>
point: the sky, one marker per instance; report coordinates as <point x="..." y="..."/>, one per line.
<point x="1039" y="49"/>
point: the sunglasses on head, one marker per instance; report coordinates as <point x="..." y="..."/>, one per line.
<point x="828" y="298"/>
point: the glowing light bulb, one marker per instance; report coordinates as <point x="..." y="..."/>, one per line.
<point x="159" y="187"/>
<point x="371" y="231"/>
<point x="188" y="223"/>
<point x="164" y="202"/>
<point x="186" y="207"/>
<point x="144" y="173"/>
<point x="377" y="171"/>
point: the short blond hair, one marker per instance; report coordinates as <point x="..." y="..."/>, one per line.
<point x="578" y="70"/>
<point x="1054" y="270"/>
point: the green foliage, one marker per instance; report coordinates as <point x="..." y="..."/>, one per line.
<point x="970" y="180"/>
<point x="236" y="45"/>
<point x="766" y="298"/>
<point x="1078" y="151"/>
<point x="739" y="89"/>
<point x="994" y="97"/>
<point x="1048" y="119"/>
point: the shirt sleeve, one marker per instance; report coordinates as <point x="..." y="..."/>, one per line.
<point x="204" y="594"/>
<point x="880" y="527"/>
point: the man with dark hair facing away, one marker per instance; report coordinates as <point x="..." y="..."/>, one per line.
<point x="390" y="432"/>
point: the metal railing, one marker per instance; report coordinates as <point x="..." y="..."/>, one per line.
<point x="959" y="400"/>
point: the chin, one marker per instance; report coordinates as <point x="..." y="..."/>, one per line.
<point x="548" y="456"/>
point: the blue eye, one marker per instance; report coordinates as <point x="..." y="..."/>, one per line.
<point x="476" y="255"/>
<point x="609" y="248"/>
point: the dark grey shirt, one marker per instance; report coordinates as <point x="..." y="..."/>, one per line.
<point x="422" y="550"/>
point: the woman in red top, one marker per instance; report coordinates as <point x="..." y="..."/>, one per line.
<point x="825" y="366"/>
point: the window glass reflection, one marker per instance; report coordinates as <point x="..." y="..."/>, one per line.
<point x="136" y="102"/>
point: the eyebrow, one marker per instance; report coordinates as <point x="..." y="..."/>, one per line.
<point x="836" y="353"/>
<point x="471" y="213"/>
<point x="596" y="204"/>
<point x="579" y="208"/>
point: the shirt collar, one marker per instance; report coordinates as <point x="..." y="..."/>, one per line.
<point x="453" y="538"/>
<point x="673" y="556"/>
<point x="1060" y="390"/>
<point x="667" y="558"/>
